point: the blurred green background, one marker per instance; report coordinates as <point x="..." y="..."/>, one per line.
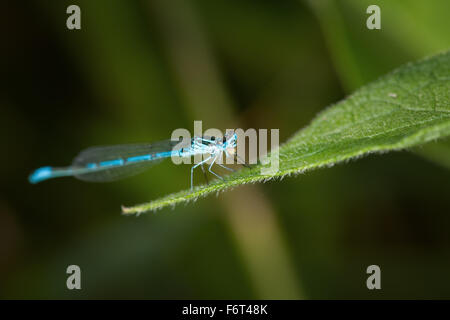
<point x="136" y="71"/>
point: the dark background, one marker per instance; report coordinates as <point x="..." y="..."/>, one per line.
<point x="136" y="71"/>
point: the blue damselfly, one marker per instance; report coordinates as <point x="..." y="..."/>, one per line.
<point x="109" y="163"/>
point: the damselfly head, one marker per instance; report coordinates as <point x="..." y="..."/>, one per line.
<point x="230" y="141"/>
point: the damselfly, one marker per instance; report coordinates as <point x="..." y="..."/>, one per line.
<point x="109" y="163"/>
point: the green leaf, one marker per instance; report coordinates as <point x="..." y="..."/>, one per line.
<point x="359" y="53"/>
<point x="408" y="107"/>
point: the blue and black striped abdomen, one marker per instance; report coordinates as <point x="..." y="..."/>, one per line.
<point x="108" y="163"/>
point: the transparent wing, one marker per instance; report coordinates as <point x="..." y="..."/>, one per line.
<point x="102" y="154"/>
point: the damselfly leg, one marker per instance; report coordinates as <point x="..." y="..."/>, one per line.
<point x="225" y="167"/>
<point x="236" y="157"/>
<point x="210" y="166"/>
<point x="204" y="174"/>
<point x="195" y="166"/>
